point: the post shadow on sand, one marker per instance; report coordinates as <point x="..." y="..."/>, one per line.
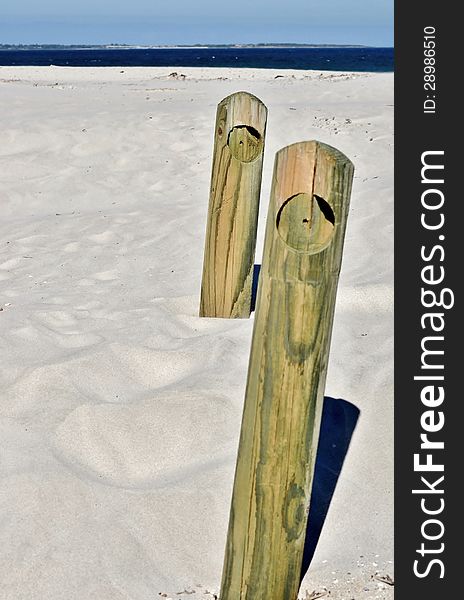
<point x="338" y="422"/>
<point x="254" y="286"/>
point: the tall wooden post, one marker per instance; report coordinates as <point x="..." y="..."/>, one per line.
<point x="287" y="372"/>
<point x="233" y="207"/>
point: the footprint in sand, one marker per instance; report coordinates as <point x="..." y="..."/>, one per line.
<point x="149" y="444"/>
<point x="104" y="237"/>
<point x="109" y="275"/>
<point x="63" y="329"/>
<point x="72" y="247"/>
<point x="11" y="263"/>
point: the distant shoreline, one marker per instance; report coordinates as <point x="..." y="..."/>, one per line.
<point x="174" y="47"/>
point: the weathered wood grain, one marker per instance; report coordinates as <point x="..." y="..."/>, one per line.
<point x="287" y="371"/>
<point x="233" y="207"/>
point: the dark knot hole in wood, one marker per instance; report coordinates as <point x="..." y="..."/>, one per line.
<point x="245" y="143"/>
<point x="306" y="223"/>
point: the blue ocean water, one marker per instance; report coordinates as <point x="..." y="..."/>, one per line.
<point x="319" y="58"/>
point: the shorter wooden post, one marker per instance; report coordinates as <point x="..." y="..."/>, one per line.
<point x="287" y="370"/>
<point x="233" y="207"/>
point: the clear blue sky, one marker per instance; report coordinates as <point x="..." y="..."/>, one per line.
<point x="367" y="22"/>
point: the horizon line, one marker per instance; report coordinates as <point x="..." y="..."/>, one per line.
<point x="192" y="45"/>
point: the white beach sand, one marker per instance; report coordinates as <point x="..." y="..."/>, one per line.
<point x="120" y="409"/>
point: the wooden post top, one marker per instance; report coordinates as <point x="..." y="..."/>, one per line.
<point x="308" y="212"/>
<point x="241" y="125"/>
